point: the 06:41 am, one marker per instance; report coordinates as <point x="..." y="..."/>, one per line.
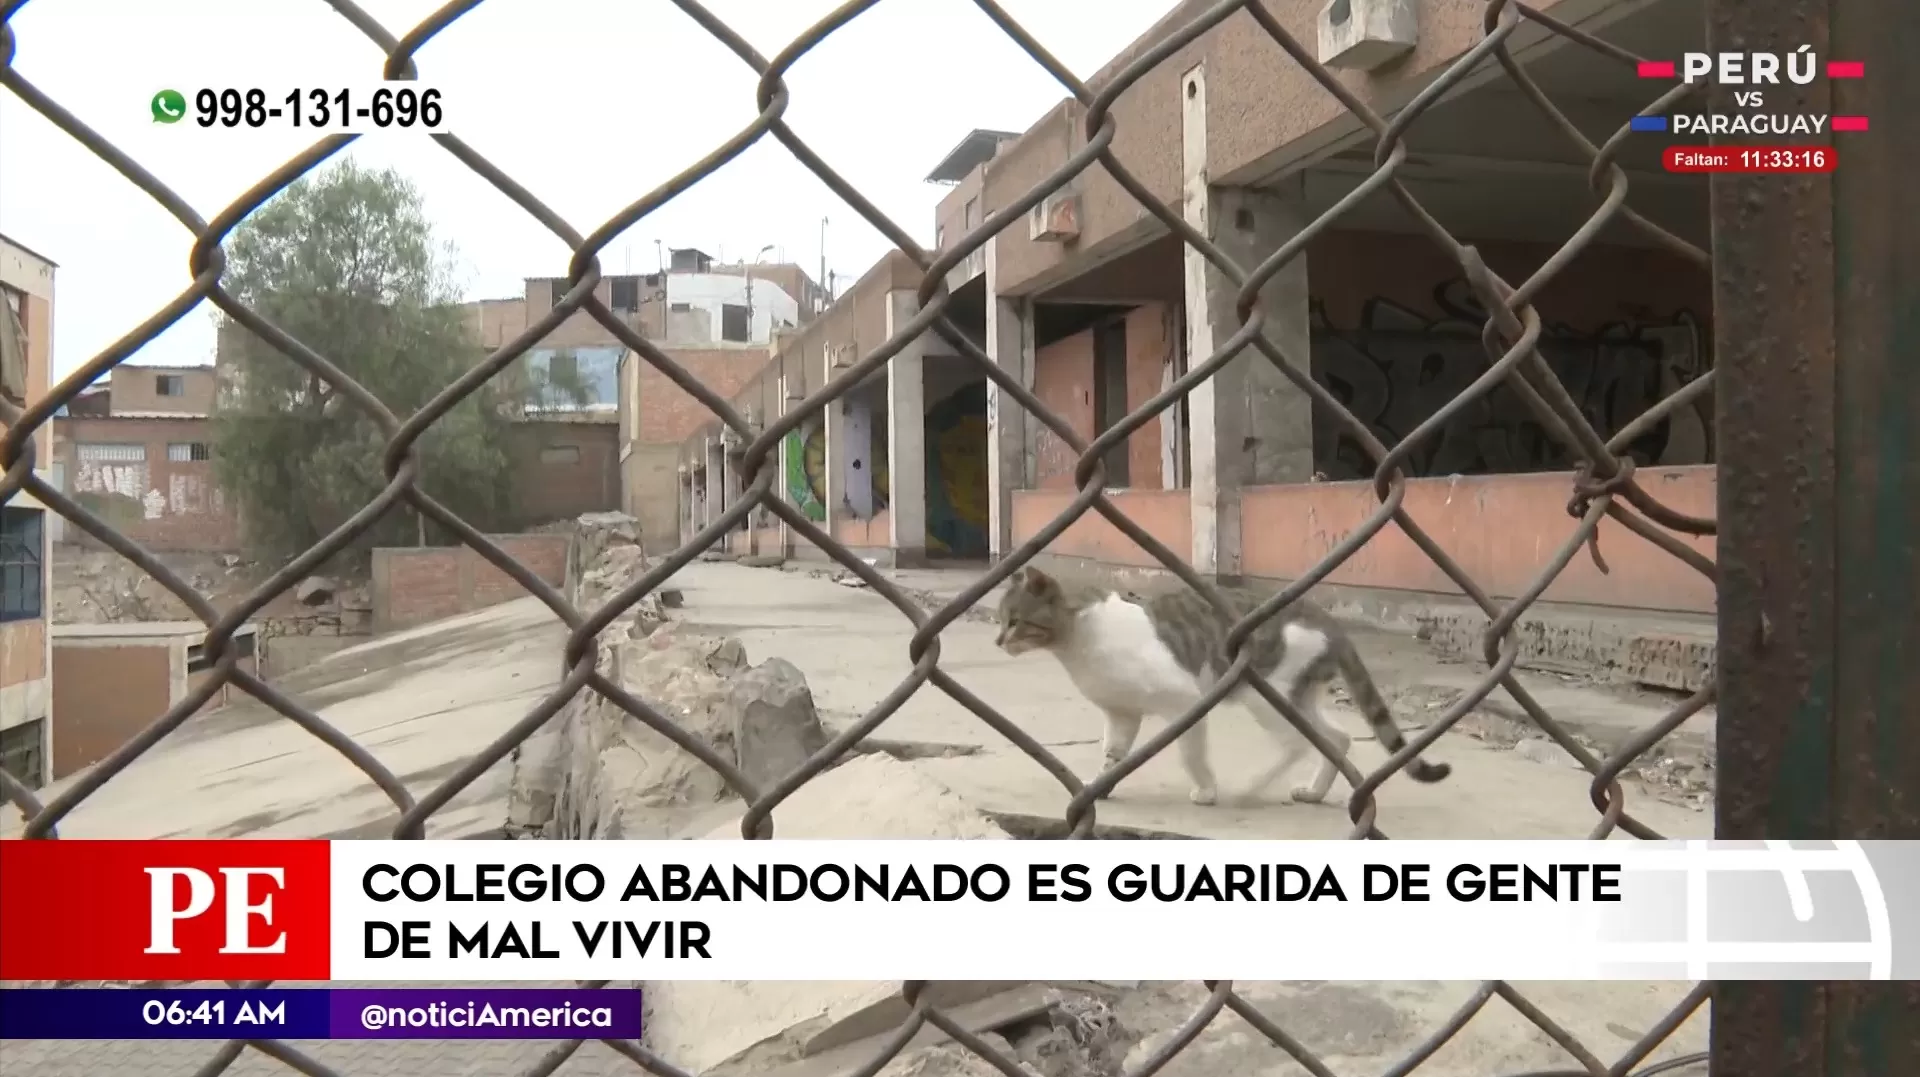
<point x="213" y="1012"/>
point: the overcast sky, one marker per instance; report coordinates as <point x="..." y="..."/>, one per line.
<point x="588" y="103"/>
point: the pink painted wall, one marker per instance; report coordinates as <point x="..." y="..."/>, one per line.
<point x="1499" y="528"/>
<point x="1163" y="514"/>
<point x="865" y="533"/>
<point x="1152" y="342"/>
<point x="1063" y="380"/>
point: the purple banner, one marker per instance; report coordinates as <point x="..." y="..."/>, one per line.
<point x="482" y="1013"/>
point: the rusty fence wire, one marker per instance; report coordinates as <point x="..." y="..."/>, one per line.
<point x="1603" y="487"/>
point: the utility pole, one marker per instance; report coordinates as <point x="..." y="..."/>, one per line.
<point x="826" y="280"/>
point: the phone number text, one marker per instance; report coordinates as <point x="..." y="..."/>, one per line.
<point x="405" y="108"/>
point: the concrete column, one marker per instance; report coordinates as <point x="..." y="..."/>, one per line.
<point x="729" y="483"/>
<point x="1010" y="429"/>
<point x="906" y="438"/>
<point x="834" y="419"/>
<point x="713" y="502"/>
<point x="691" y="497"/>
<point x="789" y="403"/>
<point x="1250" y="425"/>
<point x="684" y="502"/>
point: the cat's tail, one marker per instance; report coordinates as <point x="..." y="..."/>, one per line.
<point x="1366" y="696"/>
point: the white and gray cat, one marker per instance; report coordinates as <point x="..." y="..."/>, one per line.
<point x="1157" y="656"/>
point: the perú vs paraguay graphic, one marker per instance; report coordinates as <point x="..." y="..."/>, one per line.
<point x="1754" y="72"/>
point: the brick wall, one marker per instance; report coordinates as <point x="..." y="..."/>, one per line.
<point x="562" y="469"/>
<point x="667" y="414"/>
<point x="414" y="585"/>
<point x="159" y="502"/>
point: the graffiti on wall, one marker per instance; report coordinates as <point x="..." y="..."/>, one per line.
<point x="800" y="488"/>
<point x="957" y="473"/>
<point x="121" y="490"/>
<point x="807" y="468"/>
<point x="1398" y="366"/>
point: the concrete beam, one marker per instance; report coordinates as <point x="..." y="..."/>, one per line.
<point x="906" y="438"/>
<point x="1249" y="423"/>
<point x="1530" y="45"/>
<point x="1450" y="166"/>
<point x="1010" y="430"/>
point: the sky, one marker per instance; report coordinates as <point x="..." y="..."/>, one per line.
<point x="589" y="104"/>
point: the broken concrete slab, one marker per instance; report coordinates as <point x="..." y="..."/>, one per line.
<point x="775" y="727"/>
<point x="1022" y="1004"/>
<point x="819" y="1028"/>
<point x="619" y="777"/>
<point x="596" y="532"/>
<point x="315" y="591"/>
<point x="874" y="796"/>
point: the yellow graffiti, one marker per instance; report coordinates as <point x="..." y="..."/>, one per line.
<point x="963" y="472"/>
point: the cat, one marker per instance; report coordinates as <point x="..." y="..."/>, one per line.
<point x="1135" y="658"/>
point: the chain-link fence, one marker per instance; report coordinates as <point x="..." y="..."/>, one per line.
<point x="1603" y="487"/>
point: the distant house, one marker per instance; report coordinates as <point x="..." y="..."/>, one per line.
<point x="593" y="371"/>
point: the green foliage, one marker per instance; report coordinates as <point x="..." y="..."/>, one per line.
<point x="346" y="262"/>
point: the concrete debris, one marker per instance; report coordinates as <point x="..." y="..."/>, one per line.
<point x="762" y="561"/>
<point x="846" y="578"/>
<point x="874" y="796"/>
<point x="1083" y="1037"/>
<point x="615" y="777"/>
<point x="598" y="531"/>
<point x="599" y="584"/>
<point x="315" y="591"/>
<point x="951" y="1060"/>
<point x="833" y="1029"/>
<point x="1548" y="752"/>
<point x="671" y="598"/>
<point x="1073" y="1035"/>
<point x="726" y="657"/>
<point x="775" y="727"/>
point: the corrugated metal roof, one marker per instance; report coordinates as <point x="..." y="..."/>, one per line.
<point x="977" y="148"/>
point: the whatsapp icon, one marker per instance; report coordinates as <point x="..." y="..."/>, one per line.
<point x="169" y="106"/>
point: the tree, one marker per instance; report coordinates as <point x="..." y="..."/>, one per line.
<point x="347" y="263"/>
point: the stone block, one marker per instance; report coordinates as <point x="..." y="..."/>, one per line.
<point x="775" y="727"/>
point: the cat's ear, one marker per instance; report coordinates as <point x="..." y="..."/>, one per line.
<point x="1037" y="582"/>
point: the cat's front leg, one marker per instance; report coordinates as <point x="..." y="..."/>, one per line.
<point x="1123" y="728"/>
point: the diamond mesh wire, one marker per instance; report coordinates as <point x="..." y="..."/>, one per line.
<point x="1604" y="485"/>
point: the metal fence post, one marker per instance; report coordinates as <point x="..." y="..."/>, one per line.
<point x="1817" y="320"/>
